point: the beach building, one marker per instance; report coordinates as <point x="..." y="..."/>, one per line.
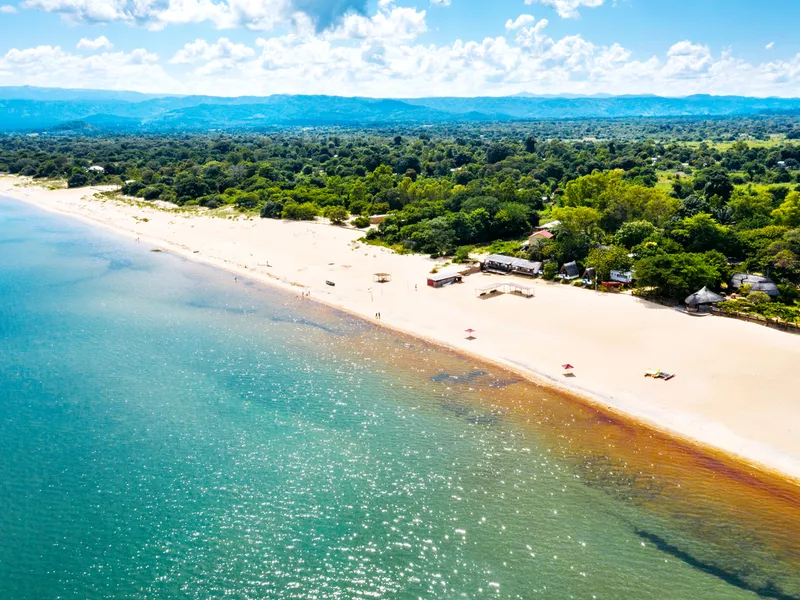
<point x="499" y="263"/>
<point x="757" y="283"/>
<point x="703" y="300"/>
<point x="569" y="271"/>
<point x="589" y="276"/>
<point x="622" y="276"/>
<point x="377" y="219"/>
<point x="437" y="280"/>
<point x="95" y="169"/>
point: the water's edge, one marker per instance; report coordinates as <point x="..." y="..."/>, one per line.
<point x="771" y="474"/>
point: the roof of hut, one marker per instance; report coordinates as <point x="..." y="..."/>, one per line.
<point x="704" y="296"/>
<point x="570" y="269"/>
<point x="757" y="283"/>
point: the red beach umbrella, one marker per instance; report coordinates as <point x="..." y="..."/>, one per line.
<point x="567" y="366"/>
<point x="469" y="331"/>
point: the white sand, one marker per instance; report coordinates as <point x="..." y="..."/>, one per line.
<point x="737" y="386"/>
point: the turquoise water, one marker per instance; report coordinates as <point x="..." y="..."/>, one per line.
<point x="166" y="432"/>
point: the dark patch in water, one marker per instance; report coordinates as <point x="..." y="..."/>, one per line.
<point x="14" y="240"/>
<point x="487" y="419"/>
<point x="598" y="471"/>
<point x="459" y="409"/>
<point x="767" y="590"/>
<point x="304" y="321"/>
<point x="504" y="383"/>
<point x="467" y="377"/>
<point x="228" y="309"/>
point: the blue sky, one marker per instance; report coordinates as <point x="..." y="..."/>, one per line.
<point x="404" y="47"/>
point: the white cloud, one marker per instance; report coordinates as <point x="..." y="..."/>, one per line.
<point x="390" y="24"/>
<point x="381" y="55"/>
<point x="50" y="66"/>
<point x="770" y="46"/>
<point x="259" y="15"/>
<point x="686" y="59"/>
<point x="218" y="57"/>
<point x="440" y="2"/>
<point x="96" y="44"/>
<point x="568" y="9"/>
<point x="521" y="21"/>
<point x="7" y="9"/>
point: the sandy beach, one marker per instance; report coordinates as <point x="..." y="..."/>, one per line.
<point x="737" y="386"/>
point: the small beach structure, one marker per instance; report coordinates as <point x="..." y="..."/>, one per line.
<point x="757" y="283"/>
<point x="569" y="271"/>
<point x="589" y="276"/>
<point x="499" y="263"/>
<point x="382" y="277"/>
<point x="95" y="169"/>
<point x="622" y="276"/>
<point x="507" y="287"/>
<point x="437" y="280"/>
<point x="703" y="300"/>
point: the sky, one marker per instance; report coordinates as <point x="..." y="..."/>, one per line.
<point x="404" y="48"/>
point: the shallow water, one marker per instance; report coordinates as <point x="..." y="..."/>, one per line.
<point x="166" y="432"/>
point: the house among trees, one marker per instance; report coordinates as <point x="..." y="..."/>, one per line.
<point x="547" y="226"/>
<point x="95" y="169"/>
<point x="757" y="283"/>
<point x="499" y="263"/>
<point x="569" y="271"/>
<point x="543" y="234"/>
<point x="703" y="300"/>
<point x="589" y="276"/>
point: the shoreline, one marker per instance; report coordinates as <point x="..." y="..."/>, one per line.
<point x="713" y="437"/>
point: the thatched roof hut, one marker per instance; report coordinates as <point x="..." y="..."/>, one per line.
<point x="704" y="297"/>
<point x="757" y="283"/>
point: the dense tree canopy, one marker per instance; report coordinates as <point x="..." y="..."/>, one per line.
<point x="679" y="213"/>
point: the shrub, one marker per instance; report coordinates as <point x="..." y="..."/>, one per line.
<point x="271" y="210"/>
<point x="151" y="193"/>
<point x="462" y="254"/>
<point x="300" y="212"/>
<point x="550" y="270"/>
<point x="361" y="222"/>
<point x="78" y="179"/>
<point x="336" y="214"/>
<point x="758" y="298"/>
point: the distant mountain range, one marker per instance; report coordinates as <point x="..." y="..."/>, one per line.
<point x="40" y="109"/>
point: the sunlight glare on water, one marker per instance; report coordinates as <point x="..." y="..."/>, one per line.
<point x="168" y="433"/>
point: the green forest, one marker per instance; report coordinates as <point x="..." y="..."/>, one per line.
<point x="683" y="214"/>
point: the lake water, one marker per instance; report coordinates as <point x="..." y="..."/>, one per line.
<point x="168" y="432"/>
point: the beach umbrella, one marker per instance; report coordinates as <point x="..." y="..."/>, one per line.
<point x="567" y="366"/>
<point x="469" y="331"/>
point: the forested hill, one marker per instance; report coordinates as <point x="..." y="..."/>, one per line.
<point x="37" y="109"/>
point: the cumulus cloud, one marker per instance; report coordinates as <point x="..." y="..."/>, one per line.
<point x="770" y="46"/>
<point x="382" y="55"/>
<point x="260" y="15"/>
<point x="568" y="9"/>
<point x="95" y="44"/>
<point x="390" y="23"/>
<point x="7" y="9"/>
<point x="520" y="21"/>
<point x="50" y="66"/>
